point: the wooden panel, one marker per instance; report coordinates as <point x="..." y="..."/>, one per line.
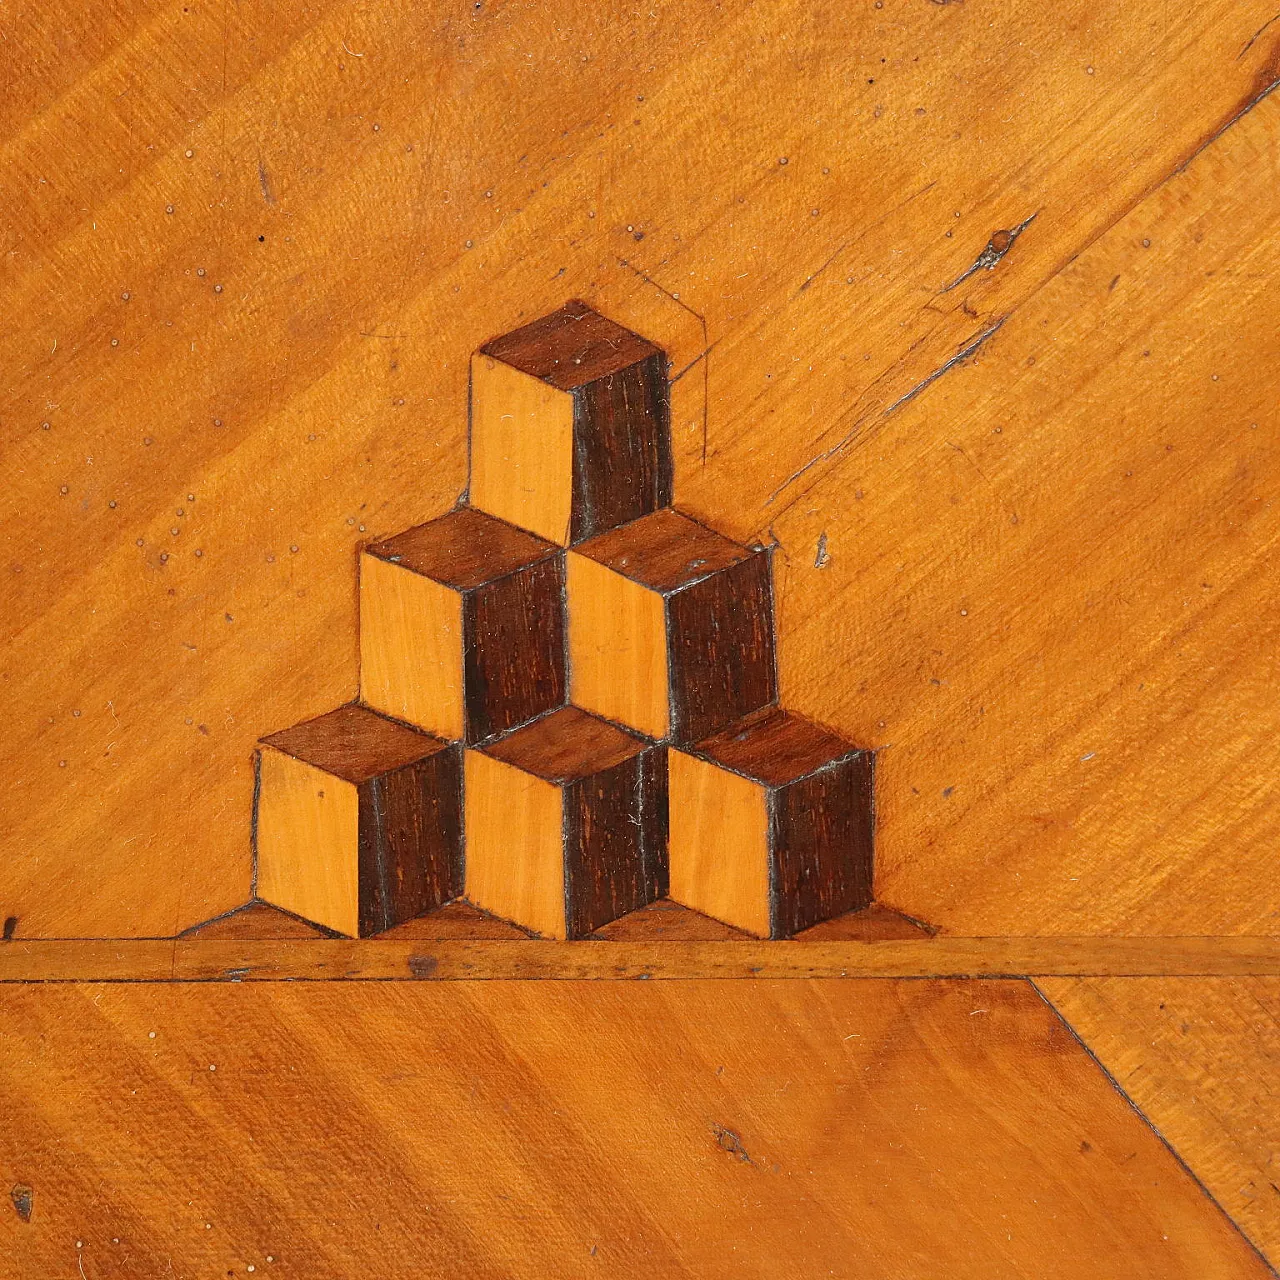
<point x="411" y="647"/>
<point x="515" y="844"/>
<point x="615" y="824"/>
<point x="413" y="953"/>
<point x="571" y="347"/>
<point x="617" y="647"/>
<point x="719" y="842"/>
<point x="521" y="449"/>
<point x="307" y="832"/>
<point x="781" y="1130"/>
<point x="1201" y="1058"/>
<point x="360" y="233"/>
<point x="464" y="549"/>
<point x="664" y="551"/>
<point x="775" y="746"/>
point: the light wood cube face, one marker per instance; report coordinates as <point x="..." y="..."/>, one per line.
<point x="719" y="843"/>
<point x="566" y="824"/>
<point x="462" y="626"/>
<point x="308" y="829"/>
<point x="670" y="627"/>
<point x="617" y="647"/>
<point x="771" y="825"/>
<point x="570" y="426"/>
<point x="358" y="821"/>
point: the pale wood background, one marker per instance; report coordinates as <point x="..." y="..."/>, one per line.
<point x="247" y="249"/>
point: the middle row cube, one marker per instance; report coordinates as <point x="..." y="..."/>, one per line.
<point x="463" y="627"/>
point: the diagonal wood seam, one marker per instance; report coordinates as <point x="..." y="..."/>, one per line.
<point x="1265" y="85"/>
<point x="1150" y="1124"/>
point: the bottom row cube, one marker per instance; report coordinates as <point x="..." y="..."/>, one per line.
<point x="359" y="823"/>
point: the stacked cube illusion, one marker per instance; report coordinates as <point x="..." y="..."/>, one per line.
<point x="568" y="691"/>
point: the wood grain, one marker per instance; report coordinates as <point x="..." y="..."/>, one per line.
<point x="784" y="1130"/>
<point x="617" y="645"/>
<point x="719" y="843"/>
<point x="1201" y="1058"/>
<point x="411" y="648"/>
<point x="514" y="824"/>
<point x="364" y="223"/>
<point x="403" y="955"/>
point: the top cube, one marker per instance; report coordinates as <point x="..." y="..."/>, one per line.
<point x="570" y="426"/>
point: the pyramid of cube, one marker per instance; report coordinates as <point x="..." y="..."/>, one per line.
<point x="568" y="693"/>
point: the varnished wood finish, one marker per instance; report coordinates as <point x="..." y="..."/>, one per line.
<point x="566" y="824"/>
<point x="462" y="626"/>
<point x="324" y="388"/>
<point x="671" y="627"/>
<point x="408" y="957"/>
<point x="570" y="425"/>
<point x="780" y="1130"/>
<point x="358" y="821"/>
<point x="772" y="824"/>
<point x="1201" y="1058"/>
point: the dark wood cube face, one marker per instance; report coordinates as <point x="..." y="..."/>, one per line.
<point x="514" y="649"/>
<point x="821" y="845"/>
<point x="615" y="834"/>
<point x="622" y="462"/>
<point x="410" y="841"/>
<point x="721" y="645"/>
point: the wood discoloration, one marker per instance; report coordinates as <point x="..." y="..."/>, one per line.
<point x="22" y="1199"/>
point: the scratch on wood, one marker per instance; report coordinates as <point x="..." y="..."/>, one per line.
<point x="959" y="358"/>
<point x="1253" y="38"/>
<point x="264" y="181"/>
<point x="707" y="344"/>
<point x="999" y="245"/>
<point x="822" y="558"/>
